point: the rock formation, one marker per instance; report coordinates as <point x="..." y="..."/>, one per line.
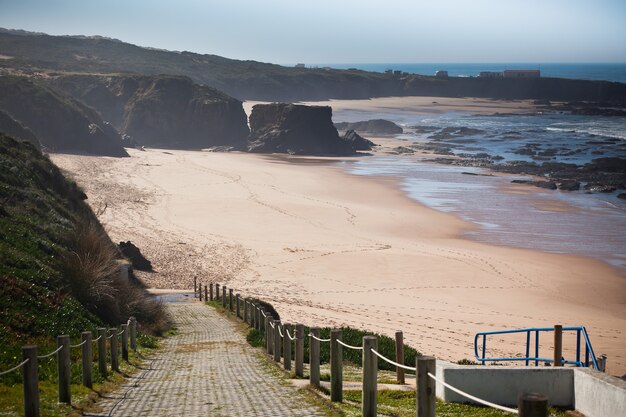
<point x="61" y="123"/>
<point x="358" y="142"/>
<point x="297" y="129"/>
<point x="11" y="127"/>
<point x="164" y="111"/>
<point x="375" y="126"/>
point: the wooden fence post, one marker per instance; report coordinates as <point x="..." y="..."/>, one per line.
<point x="257" y="319"/>
<point x="245" y="310"/>
<point x="195" y="287"/>
<point x="558" y="345"/>
<point x="252" y="315"/>
<point x="314" y="357"/>
<point x="217" y="291"/>
<point x="230" y="299"/>
<point x="30" y="380"/>
<point x="532" y="405"/>
<point x="224" y="296"/>
<point x="133" y="334"/>
<point x="102" y="351"/>
<point x="206" y="293"/>
<point x="87" y="359"/>
<point x="370" y="376"/>
<point x="115" y="366"/>
<point x="425" y="386"/>
<point x="399" y="357"/>
<point x="210" y="291"/>
<point x="277" y="341"/>
<point x="300" y="350"/>
<point x="286" y="348"/>
<point x="200" y="291"/>
<point x="336" y="367"/>
<point x="63" y="367"/>
<point x="124" y="341"/>
<point x="269" y="335"/>
<point x="238" y="308"/>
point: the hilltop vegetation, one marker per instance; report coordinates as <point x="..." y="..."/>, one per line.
<point x="250" y="80"/>
<point x="59" y="271"/>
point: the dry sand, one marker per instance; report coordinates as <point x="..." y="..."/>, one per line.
<point x="329" y="249"/>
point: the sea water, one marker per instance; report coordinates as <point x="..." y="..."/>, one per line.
<point x="549" y="220"/>
<point x="582" y="71"/>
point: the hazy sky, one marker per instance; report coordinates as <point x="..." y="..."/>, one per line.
<point x="346" y="31"/>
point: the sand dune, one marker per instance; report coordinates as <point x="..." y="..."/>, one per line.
<point x="327" y="248"/>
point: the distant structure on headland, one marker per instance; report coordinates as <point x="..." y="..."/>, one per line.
<point x="300" y="66"/>
<point x="441" y="74"/>
<point x="510" y="74"/>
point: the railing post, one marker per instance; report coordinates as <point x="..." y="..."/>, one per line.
<point x="124" y="341"/>
<point x="286" y="348"/>
<point x="252" y="315"/>
<point x="210" y="291"/>
<point x="217" y="291"/>
<point x="558" y="345"/>
<point x="269" y="335"/>
<point x="336" y="367"/>
<point x="133" y="334"/>
<point x="277" y="341"/>
<point x="300" y="350"/>
<point x="200" y="292"/>
<point x="532" y="405"/>
<point x="230" y="299"/>
<point x="224" y="296"/>
<point x="63" y="367"/>
<point x="399" y="357"/>
<point x="102" y="351"/>
<point x="245" y="310"/>
<point x="87" y="359"/>
<point x="206" y="293"/>
<point x="195" y="287"/>
<point x="115" y="366"/>
<point x="30" y="380"/>
<point x="370" y="376"/>
<point x="238" y="308"/>
<point x="425" y="386"/>
<point x="257" y="316"/>
<point x="314" y="357"/>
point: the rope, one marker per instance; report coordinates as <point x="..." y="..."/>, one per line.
<point x="349" y="346"/>
<point x="79" y="345"/>
<point x="280" y="332"/>
<point x="121" y="333"/>
<point x="97" y="338"/>
<point x="14" y="368"/>
<point x="112" y="334"/>
<point x="318" y="339"/>
<point x="264" y="315"/>
<point x="50" y="354"/>
<point x="471" y="397"/>
<point x="289" y="336"/>
<point x="273" y="325"/>
<point x="408" y="368"/>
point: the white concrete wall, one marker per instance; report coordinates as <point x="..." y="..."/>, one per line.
<point x="503" y="384"/>
<point x="599" y="395"/>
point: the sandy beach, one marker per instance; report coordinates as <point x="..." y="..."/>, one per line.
<point x="330" y="249"/>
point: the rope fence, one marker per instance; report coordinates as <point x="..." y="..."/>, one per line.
<point x="30" y="373"/>
<point x="276" y="340"/>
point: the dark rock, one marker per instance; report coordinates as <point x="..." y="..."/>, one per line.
<point x="569" y="185"/>
<point x="135" y="256"/>
<point x="600" y="188"/>
<point x="549" y="185"/>
<point x="402" y="150"/>
<point x="13" y="128"/>
<point x="295" y="129"/>
<point x="455" y="132"/>
<point x="622" y="196"/>
<point x="358" y="142"/>
<point x="609" y="164"/>
<point x="375" y="126"/>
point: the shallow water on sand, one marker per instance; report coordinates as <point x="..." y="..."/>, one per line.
<point x="509" y="214"/>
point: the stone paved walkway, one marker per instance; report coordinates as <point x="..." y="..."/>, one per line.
<point x="206" y="369"/>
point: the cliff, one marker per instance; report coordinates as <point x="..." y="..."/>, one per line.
<point x="61" y="123"/>
<point x="299" y="130"/>
<point x="166" y="111"/>
<point x="253" y="80"/>
<point x="11" y="127"/>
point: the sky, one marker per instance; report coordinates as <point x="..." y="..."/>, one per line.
<point x="345" y="31"/>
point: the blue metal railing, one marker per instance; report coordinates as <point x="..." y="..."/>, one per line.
<point x="581" y="334"/>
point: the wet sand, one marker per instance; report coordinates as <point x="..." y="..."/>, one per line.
<point x="329" y="249"/>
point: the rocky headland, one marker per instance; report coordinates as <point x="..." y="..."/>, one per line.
<point x="160" y="110"/>
<point x="299" y="130"/>
<point x="59" y="122"/>
<point x="374" y="127"/>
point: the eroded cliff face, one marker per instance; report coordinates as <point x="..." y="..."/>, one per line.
<point x="165" y="111"/>
<point x="11" y="127"/>
<point x="60" y="122"/>
<point x="296" y="129"/>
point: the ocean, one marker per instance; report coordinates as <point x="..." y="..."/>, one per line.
<point x="577" y="222"/>
<point x="583" y="71"/>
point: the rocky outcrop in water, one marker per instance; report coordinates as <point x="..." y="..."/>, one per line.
<point x="374" y="127"/>
<point x="298" y="130"/>
<point x="61" y="123"/>
<point x="11" y="127"/>
<point x="358" y="142"/>
<point x="163" y="111"/>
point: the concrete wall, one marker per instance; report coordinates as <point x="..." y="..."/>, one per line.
<point x="503" y="384"/>
<point x="598" y="394"/>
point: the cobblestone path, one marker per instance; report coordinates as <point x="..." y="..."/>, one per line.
<point x="206" y="369"/>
